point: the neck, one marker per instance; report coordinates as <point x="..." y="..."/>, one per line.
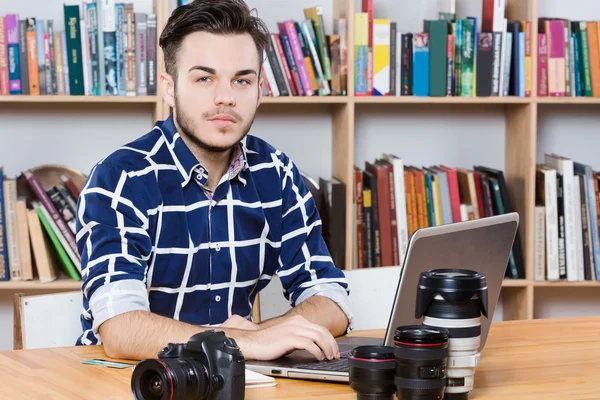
<point x="216" y="163"/>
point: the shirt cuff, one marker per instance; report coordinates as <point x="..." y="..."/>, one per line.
<point x="116" y="298"/>
<point x="332" y="291"/>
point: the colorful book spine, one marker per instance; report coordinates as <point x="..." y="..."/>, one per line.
<point x="121" y="70"/>
<point x="3" y="60"/>
<point x="421" y="65"/>
<point x="381" y="57"/>
<point x="361" y="56"/>
<point x="12" y="41"/>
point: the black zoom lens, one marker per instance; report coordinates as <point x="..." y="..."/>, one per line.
<point x="169" y="379"/>
<point x="421" y="356"/>
<point x="371" y="371"/>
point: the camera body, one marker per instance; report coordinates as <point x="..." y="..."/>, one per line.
<point x="209" y="366"/>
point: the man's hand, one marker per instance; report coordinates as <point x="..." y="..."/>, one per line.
<point x="293" y="333"/>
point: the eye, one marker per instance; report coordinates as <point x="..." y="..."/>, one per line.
<point x="203" y="79"/>
<point x="243" y="81"/>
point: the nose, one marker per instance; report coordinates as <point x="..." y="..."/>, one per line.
<point x="224" y="94"/>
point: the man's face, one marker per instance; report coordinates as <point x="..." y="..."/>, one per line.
<point x="217" y="89"/>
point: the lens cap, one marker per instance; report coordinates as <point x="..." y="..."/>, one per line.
<point x="454" y="285"/>
<point x="373" y="352"/>
<point x="421" y="334"/>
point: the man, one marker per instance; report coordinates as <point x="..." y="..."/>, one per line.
<point x="180" y="229"/>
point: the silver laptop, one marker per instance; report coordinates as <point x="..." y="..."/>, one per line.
<point x="481" y="245"/>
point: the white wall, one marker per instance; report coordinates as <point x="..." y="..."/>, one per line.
<point x="458" y="136"/>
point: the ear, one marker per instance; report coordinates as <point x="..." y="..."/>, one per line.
<point x="167" y="89"/>
<point x="261" y="82"/>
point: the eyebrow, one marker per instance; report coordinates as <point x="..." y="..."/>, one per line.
<point x="214" y="71"/>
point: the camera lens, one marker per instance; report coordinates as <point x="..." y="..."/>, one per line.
<point x="421" y="355"/>
<point x="371" y="372"/>
<point x="169" y="379"/>
<point x="455" y="299"/>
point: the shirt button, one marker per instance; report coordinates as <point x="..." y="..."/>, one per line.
<point x="199" y="177"/>
<point x="218" y="247"/>
<point x="217" y="298"/>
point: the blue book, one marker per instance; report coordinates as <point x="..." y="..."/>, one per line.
<point x="576" y="64"/>
<point x="521" y="64"/>
<point x="421" y="65"/>
<point x="4" y="270"/>
<point x="41" y="55"/>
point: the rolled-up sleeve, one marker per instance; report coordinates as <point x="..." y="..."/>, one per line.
<point x="306" y="268"/>
<point x="113" y="240"/>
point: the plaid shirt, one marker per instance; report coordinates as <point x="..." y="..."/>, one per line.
<point x="153" y="237"/>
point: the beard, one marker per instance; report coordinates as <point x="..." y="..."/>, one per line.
<point x="185" y="124"/>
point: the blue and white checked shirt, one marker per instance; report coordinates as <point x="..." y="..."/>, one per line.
<point x="153" y="237"/>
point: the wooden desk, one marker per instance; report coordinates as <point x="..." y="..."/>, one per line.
<point x="521" y="360"/>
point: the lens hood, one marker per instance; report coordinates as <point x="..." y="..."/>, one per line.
<point x="454" y="285"/>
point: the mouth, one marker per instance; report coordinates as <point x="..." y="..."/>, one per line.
<point x="223" y="120"/>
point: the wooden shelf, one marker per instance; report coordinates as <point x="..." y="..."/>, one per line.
<point x="440" y="100"/>
<point x="79" y="99"/>
<point x="59" y="284"/>
<point x="568" y="100"/>
<point x="515" y="283"/>
<point x="566" y="284"/>
<point x="305" y="100"/>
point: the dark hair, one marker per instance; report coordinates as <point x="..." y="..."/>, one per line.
<point x="213" y="16"/>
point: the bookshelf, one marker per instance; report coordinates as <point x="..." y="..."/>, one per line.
<point x="520" y="144"/>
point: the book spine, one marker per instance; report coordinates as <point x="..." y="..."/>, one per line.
<point x="31" y="36"/>
<point x="368" y="229"/>
<point x="130" y="49"/>
<point x="92" y="28"/>
<point x="361" y="54"/>
<point x="4" y="80"/>
<point x="542" y="79"/>
<point x="360" y="220"/>
<point x="23" y="65"/>
<point x="12" y="41"/>
<point x="109" y="34"/>
<point x="4" y="269"/>
<point x="65" y="61"/>
<point x="151" y="54"/>
<point x="141" y="64"/>
<point x="41" y="194"/>
<point x="73" y="39"/>
<point x="41" y="55"/>
<point x="51" y="64"/>
<point x="47" y="67"/>
<point x="121" y="46"/>
<point x="528" y="58"/>
<point x="576" y="65"/>
<point x="12" y="231"/>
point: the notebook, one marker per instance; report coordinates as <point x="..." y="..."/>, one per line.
<point x="256" y="380"/>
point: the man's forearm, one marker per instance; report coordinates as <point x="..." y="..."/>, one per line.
<point x="137" y="335"/>
<point x="319" y="310"/>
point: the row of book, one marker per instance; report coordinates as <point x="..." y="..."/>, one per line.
<point x="37" y="228"/>
<point x="568" y="58"/>
<point x="106" y="49"/>
<point x="449" y="57"/>
<point x="303" y="60"/>
<point x="567" y="224"/>
<point x="392" y="200"/>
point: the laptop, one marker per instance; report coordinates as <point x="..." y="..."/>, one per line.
<point x="483" y="245"/>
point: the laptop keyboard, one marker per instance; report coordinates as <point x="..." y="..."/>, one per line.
<point x="338" y="365"/>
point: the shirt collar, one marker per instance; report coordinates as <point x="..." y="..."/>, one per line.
<point x="186" y="162"/>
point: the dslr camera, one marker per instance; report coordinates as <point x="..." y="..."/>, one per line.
<point x="209" y="366"/>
